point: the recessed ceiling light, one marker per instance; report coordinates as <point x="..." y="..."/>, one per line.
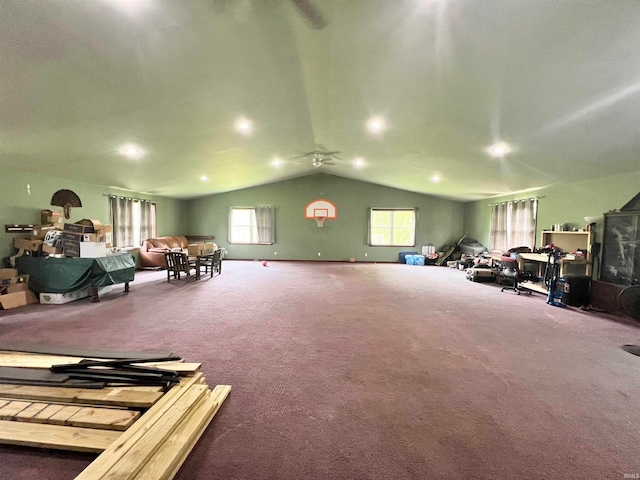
<point x="131" y="151"/>
<point x="359" y="163"/>
<point x="376" y="125"/>
<point x="244" y="126"/>
<point x="276" y="162"/>
<point x="499" y="149"/>
<point x="435" y="178"/>
<point x="204" y="178"/>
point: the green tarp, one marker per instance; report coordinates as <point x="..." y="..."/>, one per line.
<point x="61" y="275"/>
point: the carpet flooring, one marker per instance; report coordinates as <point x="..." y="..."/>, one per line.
<point x="369" y="371"/>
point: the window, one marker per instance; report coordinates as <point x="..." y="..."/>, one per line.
<point x="392" y="227"/>
<point x="133" y="220"/>
<point x="252" y="225"/>
<point x="513" y="224"/>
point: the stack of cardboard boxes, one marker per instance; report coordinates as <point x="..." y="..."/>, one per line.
<point x="14" y="289"/>
<point x="86" y="238"/>
<point x="201" y="248"/>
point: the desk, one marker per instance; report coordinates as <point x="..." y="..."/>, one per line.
<point x="541" y="260"/>
<point x="61" y="275"/>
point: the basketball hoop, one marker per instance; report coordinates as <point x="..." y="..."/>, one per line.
<point x="320" y="210"/>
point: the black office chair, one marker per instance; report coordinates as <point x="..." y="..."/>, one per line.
<point x="511" y="274"/>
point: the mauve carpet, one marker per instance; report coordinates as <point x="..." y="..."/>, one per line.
<point x="369" y="371"/>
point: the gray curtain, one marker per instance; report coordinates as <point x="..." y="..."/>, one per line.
<point x="122" y="221"/>
<point x="146" y="220"/>
<point x="498" y="239"/>
<point x="265" y="221"/>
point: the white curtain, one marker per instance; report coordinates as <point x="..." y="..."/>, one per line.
<point x="122" y="221"/>
<point x="513" y="224"/>
<point x="265" y="221"/>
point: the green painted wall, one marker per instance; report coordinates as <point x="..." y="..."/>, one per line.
<point x="566" y="203"/>
<point x="21" y="205"/>
<point x="439" y="221"/>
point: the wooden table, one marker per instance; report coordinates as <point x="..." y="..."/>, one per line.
<point x="541" y="260"/>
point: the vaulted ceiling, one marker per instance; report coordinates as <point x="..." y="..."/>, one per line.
<point x="559" y="81"/>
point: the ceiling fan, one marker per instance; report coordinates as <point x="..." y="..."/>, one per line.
<point x="320" y="157"/>
<point x="310" y="13"/>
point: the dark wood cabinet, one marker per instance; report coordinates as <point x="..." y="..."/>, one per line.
<point x="620" y="255"/>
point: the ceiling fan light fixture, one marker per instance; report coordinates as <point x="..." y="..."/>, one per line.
<point x="132" y="151"/>
<point x="499" y="149"/>
<point x="376" y="125"/>
<point x="244" y="126"/>
<point x="359" y="163"/>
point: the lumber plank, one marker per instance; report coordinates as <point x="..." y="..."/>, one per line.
<point x="77" y="351"/>
<point x="34" y="360"/>
<point x="56" y="436"/>
<point x="62" y="415"/>
<point x="12" y="408"/>
<point x="141" y="388"/>
<point x="31" y="411"/>
<point x="105" y="396"/>
<point x="168" y="459"/>
<point x="104" y="418"/>
<point x="71" y="415"/>
<point x="101" y="465"/>
<point x="48" y="412"/>
<point x="144" y="448"/>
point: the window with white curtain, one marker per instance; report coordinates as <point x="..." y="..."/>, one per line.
<point x="133" y="220"/>
<point x="513" y="224"/>
<point x="392" y="227"/>
<point x="252" y="225"/>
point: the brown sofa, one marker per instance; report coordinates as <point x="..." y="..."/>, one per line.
<point x="152" y="250"/>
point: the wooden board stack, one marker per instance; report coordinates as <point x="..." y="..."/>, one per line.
<point x="141" y="432"/>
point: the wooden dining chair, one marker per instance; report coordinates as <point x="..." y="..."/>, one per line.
<point x="212" y="263"/>
<point x="178" y="263"/>
<point x="171" y="266"/>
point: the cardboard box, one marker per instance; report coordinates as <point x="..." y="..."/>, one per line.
<point x="78" y="228"/>
<point x="40" y="231"/>
<point x="93" y="237"/>
<point x="27" y="244"/>
<point x="71" y="248"/>
<point x="48" y="217"/>
<point x="60" y="298"/>
<point x="209" y="247"/>
<point x="196" y="248"/>
<point x="6" y="273"/>
<point x="71" y="237"/>
<point x="18" y="287"/>
<point x="9" y="276"/>
<point x="17" y="299"/>
<point x="107" y="231"/>
<point x="51" y="250"/>
<point x="93" y="249"/>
